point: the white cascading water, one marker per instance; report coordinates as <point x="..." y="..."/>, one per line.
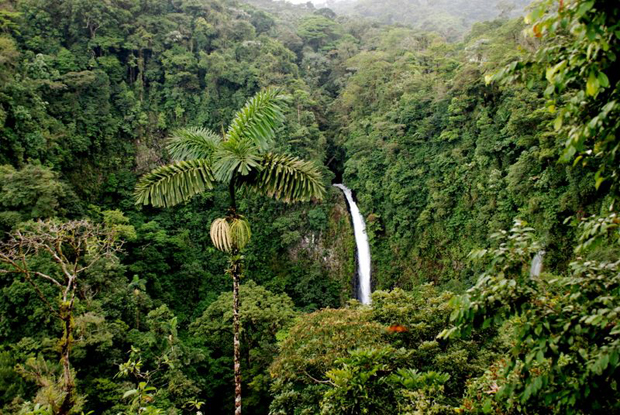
<point x="363" y="248"/>
<point x="537" y="263"/>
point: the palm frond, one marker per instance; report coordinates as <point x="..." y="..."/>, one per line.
<point x="235" y="158"/>
<point x="172" y="184"/>
<point x="193" y="143"/>
<point x="258" y="119"/>
<point x="286" y="178"/>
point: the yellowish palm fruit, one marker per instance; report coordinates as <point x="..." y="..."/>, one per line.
<point x="220" y="235"/>
<point x="229" y="234"/>
<point x="240" y="232"/>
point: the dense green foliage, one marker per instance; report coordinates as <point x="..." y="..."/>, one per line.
<point x="239" y="159"/>
<point x="380" y="360"/>
<point x="565" y="351"/>
<point x="88" y="95"/>
<point x="440" y="160"/>
<point x="447" y="135"/>
<point x="578" y="59"/>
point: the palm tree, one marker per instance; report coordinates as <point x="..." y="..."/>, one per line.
<point x="240" y="159"/>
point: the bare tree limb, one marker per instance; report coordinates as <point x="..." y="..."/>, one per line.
<point x="47" y="277"/>
<point x="328" y="382"/>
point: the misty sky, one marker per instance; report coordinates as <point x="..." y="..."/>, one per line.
<point x="316" y="2"/>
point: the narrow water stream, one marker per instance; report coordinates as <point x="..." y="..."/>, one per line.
<point x="363" y="248"/>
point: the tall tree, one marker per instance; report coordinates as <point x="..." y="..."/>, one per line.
<point x="73" y="247"/>
<point x="240" y="158"/>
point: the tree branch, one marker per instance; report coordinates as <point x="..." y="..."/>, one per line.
<point x="327" y="382"/>
<point x="40" y="294"/>
<point x="47" y="277"/>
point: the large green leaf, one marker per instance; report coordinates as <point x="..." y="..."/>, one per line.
<point x="175" y="183"/>
<point x="258" y="119"/>
<point x="193" y="143"/>
<point x="286" y="178"/>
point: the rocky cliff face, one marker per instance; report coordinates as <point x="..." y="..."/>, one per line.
<point x="333" y="247"/>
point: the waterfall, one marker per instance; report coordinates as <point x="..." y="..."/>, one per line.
<point x="537" y="264"/>
<point x="363" y="248"/>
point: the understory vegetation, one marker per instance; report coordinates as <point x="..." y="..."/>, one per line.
<point x="151" y="255"/>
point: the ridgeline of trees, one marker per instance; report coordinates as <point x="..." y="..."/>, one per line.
<point x="470" y="152"/>
<point x="449" y="18"/>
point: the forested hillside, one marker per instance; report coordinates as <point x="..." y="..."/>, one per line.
<point x="155" y="153"/>
<point x="450" y="18"/>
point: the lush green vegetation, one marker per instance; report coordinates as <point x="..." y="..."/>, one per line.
<point x="470" y="150"/>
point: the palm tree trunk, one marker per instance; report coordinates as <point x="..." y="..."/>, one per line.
<point x="233" y="200"/>
<point x="236" y="271"/>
